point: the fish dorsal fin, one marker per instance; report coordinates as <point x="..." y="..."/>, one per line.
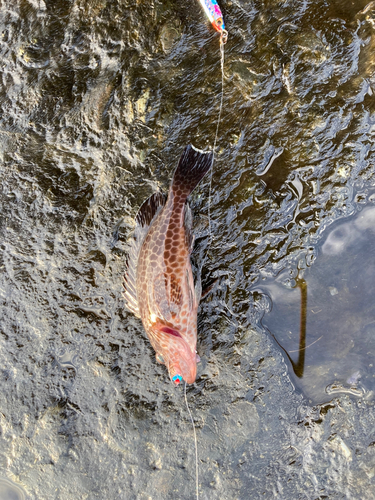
<point x="144" y="218"/>
<point x="149" y="209"/>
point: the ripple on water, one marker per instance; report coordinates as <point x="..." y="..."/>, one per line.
<point x="340" y="312"/>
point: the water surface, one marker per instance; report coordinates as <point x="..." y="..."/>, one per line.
<point x="339" y="312"/>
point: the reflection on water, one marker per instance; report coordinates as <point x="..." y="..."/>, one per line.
<point x="334" y="306"/>
<point x="299" y="365"/>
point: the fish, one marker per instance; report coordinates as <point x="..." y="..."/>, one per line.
<point x="158" y="282"/>
<point x="214" y="14"/>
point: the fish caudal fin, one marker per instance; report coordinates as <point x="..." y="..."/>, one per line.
<point x="191" y="169"/>
<point x="144" y="218"/>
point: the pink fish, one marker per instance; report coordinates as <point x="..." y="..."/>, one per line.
<point x="159" y="285"/>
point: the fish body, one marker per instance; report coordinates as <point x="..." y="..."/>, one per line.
<point x="214" y="14"/>
<point x="159" y="285"/>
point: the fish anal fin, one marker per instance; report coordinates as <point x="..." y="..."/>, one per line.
<point x="144" y="218"/>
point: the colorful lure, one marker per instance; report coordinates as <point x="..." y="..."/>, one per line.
<point x="214" y="14"/>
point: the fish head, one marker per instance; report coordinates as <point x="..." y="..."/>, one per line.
<point x="177" y="355"/>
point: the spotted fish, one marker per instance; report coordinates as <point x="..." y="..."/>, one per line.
<point x="159" y="286"/>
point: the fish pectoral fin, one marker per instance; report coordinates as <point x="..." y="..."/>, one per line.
<point x="175" y="294"/>
<point x="158" y="291"/>
<point x="167" y="296"/>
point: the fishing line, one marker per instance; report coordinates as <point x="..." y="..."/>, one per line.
<point x="223" y="41"/>
<point x="196" y="446"/>
<point x="312" y="343"/>
<point x="215" y="16"/>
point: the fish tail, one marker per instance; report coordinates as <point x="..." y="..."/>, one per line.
<point x="191" y="169"/>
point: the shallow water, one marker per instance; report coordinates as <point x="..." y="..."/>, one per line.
<point x="10" y="491"/>
<point x="98" y="99"/>
<point x="339" y="312"/>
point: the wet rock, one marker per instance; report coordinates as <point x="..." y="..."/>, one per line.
<point x="170" y="34"/>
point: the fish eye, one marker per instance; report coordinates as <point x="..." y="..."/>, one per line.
<point x="160" y="359"/>
<point x="177" y="379"/>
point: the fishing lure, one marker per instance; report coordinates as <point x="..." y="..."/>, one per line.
<point x="215" y="16"/>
